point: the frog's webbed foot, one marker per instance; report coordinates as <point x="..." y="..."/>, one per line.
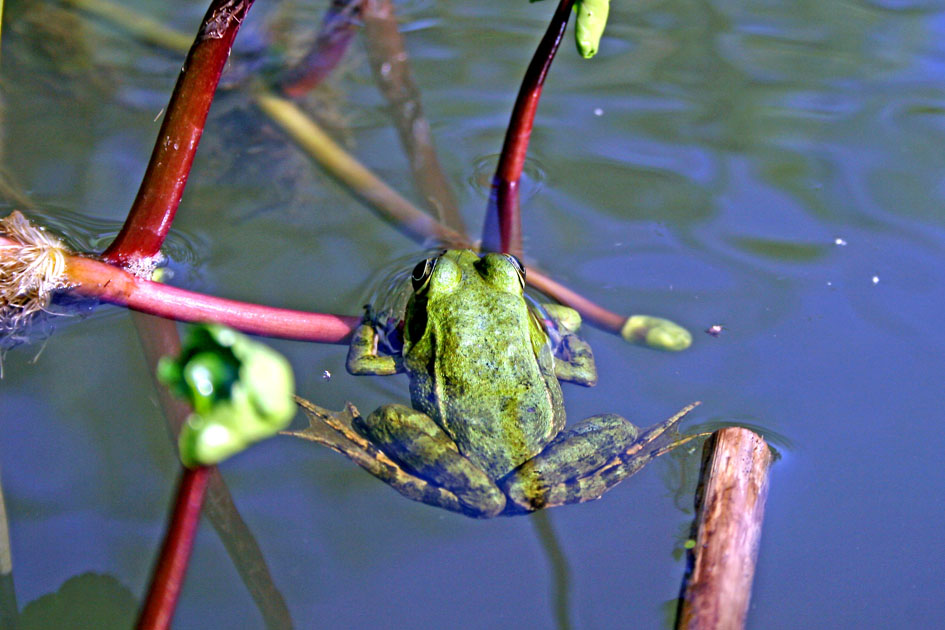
<point x="585" y="461"/>
<point x="335" y="429"/>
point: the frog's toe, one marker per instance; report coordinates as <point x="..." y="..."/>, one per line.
<point x="485" y="502"/>
<point x="656" y="332"/>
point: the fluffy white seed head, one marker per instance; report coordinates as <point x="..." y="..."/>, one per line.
<point x="31" y="269"/>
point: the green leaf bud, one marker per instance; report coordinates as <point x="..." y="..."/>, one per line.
<point x="656" y="332"/>
<point x="589" y="26"/>
<point x="240" y="389"/>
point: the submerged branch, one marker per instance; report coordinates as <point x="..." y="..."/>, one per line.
<point x="340" y="164"/>
<point x="135" y="23"/>
<point x="159" y="337"/>
<point x="9" y="611"/>
<point x="388" y="57"/>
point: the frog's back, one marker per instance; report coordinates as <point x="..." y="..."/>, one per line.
<point x="497" y="399"/>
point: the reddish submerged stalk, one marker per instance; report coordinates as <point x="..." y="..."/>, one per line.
<point x="590" y="311"/>
<point x="163" y="185"/>
<point x="168" y="576"/>
<point x="159" y="337"/>
<point x="94" y="279"/>
<point x="503" y="230"/>
<point x="334" y="36"/>
<point x="110" y="284"/>
<point x="391" y="69"/>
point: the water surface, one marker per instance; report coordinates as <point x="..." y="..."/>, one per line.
<point x="776" y="168"/>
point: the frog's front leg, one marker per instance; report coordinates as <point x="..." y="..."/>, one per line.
<point x="584" y="462"/>
<point x="574" y="359"/>
<point x="427" y="454"/>
<point x="363" y="357"/>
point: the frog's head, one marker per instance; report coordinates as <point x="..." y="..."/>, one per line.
<point x="464" y="269"/>
<point x="447" y="286"/>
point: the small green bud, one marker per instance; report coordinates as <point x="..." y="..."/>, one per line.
<point x="656" y="332"/>
<point x="589" y="26"/>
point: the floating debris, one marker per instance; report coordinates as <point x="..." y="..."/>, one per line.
<point x="326" y="376"/>
<point x="715" y="330"/>
<point x="839" y="242"/>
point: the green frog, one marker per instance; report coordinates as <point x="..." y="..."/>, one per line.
<point x="485" y="434"/>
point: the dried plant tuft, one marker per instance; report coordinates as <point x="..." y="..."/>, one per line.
<point x="31" y="270"/>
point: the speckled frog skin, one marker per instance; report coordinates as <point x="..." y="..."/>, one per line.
<point x="485" y="432"/>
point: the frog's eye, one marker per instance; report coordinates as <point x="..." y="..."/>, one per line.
<point x="519" y="267"/>
<point x="421" y="273"/>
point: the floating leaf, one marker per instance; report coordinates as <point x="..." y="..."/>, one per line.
<point x="90" y="601"/>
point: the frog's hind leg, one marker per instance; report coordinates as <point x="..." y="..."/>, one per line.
<point x="585" y="461"/>
<point x="431" y="469"/>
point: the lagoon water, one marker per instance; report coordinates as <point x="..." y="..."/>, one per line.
<point x="776" y="168"/>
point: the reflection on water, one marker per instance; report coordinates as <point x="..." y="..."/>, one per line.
<point x="703" y="165"/>
<point x="533" y="177"/>
<point x="558" y="570"/>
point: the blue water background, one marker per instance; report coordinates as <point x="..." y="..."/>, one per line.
<point x="777" y="168"/>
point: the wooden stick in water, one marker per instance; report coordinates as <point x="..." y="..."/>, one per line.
<point x="730" y="505"/>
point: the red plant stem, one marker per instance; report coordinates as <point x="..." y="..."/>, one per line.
<point x="504" y="200"/>
<point x="594" y="313"/>
<point x="91" y="278"/>
<point x="163" y="185"/>
<point x="337" y="29"/>
<point x="94" y="279"/>
<point x="168" y="576"/>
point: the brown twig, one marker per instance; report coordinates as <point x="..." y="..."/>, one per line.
<point x="306" y="133"/>
<point x="503" y="216"/>
<point x="385" y="47"/>
<point x="168" y="576"/>
<point x="730" y="510"/>
<point x="163" y="185"/>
